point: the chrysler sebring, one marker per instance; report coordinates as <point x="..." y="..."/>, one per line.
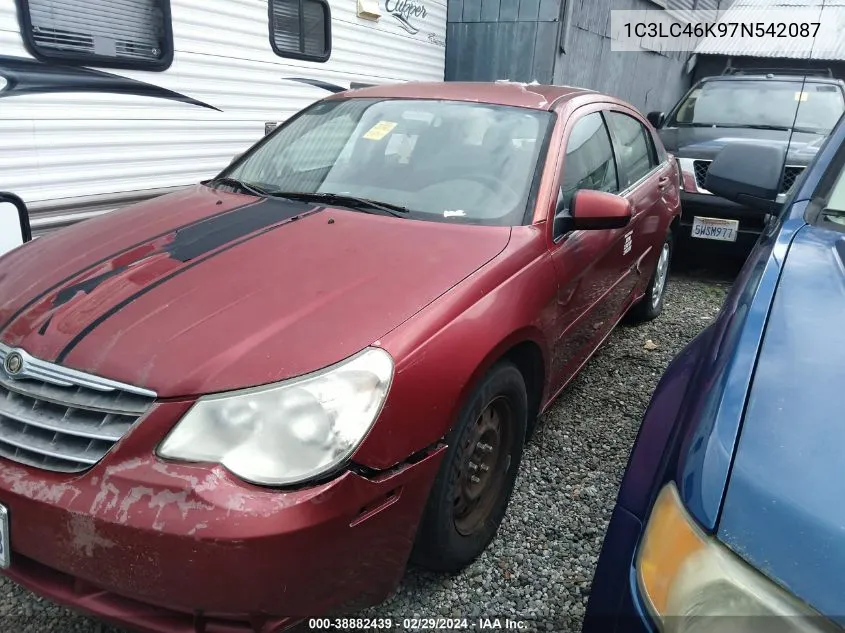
<point x="256" y="399"/>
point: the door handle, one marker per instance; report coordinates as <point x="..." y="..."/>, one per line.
<point x="663" y="181"/>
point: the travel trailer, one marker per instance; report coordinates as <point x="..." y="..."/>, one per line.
<point x="108" y="102"/>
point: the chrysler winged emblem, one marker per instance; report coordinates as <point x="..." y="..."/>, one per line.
<point x="13" y="364"/>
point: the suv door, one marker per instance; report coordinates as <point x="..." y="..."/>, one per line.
<point x="580" y="258"/>
<point x="646" y="180"/>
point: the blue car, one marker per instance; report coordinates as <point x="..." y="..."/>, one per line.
<point x="733" y="501"/>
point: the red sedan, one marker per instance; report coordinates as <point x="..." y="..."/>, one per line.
<point x="253" y="400"/>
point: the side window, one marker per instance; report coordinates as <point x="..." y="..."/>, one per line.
<point x="836" y="202"/>
<point x="128" y="34"/>
<point x="301" y="29"/>
<point x="588" y="163"/>
<point x="636" y="155"/>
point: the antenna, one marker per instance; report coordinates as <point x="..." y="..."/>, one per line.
<point x="800" y="101"/>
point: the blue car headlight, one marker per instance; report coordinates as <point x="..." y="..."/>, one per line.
<point x="686" y="577"/>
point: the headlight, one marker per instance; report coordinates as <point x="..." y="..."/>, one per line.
<point x="685" y="575"/>
<point x="288" y="432"/>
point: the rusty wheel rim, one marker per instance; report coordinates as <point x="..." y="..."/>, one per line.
<point x="487" y="454"/>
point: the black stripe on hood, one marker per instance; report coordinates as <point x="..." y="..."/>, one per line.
<point x="38" y="297"/>
<point x="202" y="241"/>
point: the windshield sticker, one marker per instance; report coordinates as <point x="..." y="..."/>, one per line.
<point x="802" y="96"/>
<point x="379" y="130"/>
<point x="459" y="213"/>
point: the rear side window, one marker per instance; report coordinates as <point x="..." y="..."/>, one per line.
<point x="635" y="150"/>
<point x="588" y="163"/>
<point x="301" y="29"/>
<point x="125" y="34"/>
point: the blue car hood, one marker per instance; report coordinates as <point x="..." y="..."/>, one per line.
<point x="784" y="510"/>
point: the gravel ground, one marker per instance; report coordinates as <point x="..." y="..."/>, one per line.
<point x="540" y="566"/>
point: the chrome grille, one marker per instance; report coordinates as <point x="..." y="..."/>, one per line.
<point x="700" y="167"/>
<point x="60" y="419"/>
<point x="790" y="175"/>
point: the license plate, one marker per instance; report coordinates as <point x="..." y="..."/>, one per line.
<point x="715" y="229"/>
<point x="4" y="537"/>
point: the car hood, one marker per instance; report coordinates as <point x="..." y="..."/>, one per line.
<point x="707" y="142"/>
<point x="783" y="509"/>
<point x="203" y="291"/>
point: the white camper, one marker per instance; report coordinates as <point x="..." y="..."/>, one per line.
<point x="108" y="102"/>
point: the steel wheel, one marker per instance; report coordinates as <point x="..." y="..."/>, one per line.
<point x="660" y="276"/>
<point x="483" y="474"/>
<point x="470" y="494"/>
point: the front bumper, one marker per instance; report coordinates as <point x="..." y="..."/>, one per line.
<point x="615" y="605"/>
<point x="157" y="546"/>
<point x="751" y="223"/>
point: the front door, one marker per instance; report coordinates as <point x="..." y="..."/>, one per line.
<point x="585" y="262"/>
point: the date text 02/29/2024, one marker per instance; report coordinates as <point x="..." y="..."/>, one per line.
<point x="416" y="624"/>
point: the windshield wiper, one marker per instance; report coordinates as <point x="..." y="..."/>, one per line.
<point x="345" y="200"/>
<point x="239" y="184"/>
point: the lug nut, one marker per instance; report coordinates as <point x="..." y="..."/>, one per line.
<point x="474" y="467"/>
<point x="484" y="468"/>
<point x="474" y="479"/>
<point x="484" y="448"/>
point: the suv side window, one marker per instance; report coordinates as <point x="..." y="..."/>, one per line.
<point x="588" y="163"/>
<point x="636" y="153"/>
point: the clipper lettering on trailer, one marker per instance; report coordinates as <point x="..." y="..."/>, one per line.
<point x="404" y="11"/>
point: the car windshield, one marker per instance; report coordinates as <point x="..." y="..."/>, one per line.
<point x="763" y="103"/>
<point x="441" y="160"/>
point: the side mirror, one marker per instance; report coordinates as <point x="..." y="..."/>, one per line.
<point x="748" y="174"/>
<point x="596" y="210"/>
<point x="14" y="222"/>
<point x="656" y="118"/>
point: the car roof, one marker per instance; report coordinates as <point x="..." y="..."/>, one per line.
<point x="508" y="93"/>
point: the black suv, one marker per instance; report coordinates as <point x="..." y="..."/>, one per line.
<point x="767" y="107"/>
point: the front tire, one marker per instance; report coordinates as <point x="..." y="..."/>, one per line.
<point x="476" y="479"/>
<point x="651" y="305"/>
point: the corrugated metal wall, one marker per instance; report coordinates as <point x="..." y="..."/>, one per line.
<point x="519" y="40"/>
<point x="501" y="39"/>
<point x="649" y="80"/>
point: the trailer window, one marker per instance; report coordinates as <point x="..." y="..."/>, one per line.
<point x="301" y="29"/>
<point x="127" y="34"/>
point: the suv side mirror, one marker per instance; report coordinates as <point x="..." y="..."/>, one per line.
<point x="656" y="118"/>
<point x="748" y="174"/>
<point x="14" y="222"/>
<point x="596" y="210"/>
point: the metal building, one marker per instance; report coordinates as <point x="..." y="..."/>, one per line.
<point x="563" y="42"/>
<point x="715" y="54"/>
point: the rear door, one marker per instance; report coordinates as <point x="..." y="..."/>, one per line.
<point x="645" y="179"/>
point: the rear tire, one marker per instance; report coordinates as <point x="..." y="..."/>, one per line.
<point x="651" y="305"/>
<point x="473" y="487"/>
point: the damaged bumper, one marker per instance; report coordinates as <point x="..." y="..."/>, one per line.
<point x="157" y="546"/>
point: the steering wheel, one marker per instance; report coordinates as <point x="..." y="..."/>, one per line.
<point x="490" y="182"/>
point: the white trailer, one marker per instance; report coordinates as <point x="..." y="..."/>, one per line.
<point x="108" y="102"/>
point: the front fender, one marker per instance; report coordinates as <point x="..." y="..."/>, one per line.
<point x="443" y="351"/>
